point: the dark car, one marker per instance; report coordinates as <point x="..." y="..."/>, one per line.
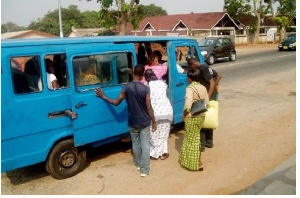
<point x="217" y="48"/>
<point x="289" y="43"/>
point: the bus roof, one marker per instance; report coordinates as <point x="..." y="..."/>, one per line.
<point x="96" y="39"/>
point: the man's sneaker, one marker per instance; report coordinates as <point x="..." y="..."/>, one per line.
<point x="144" y="174"/>
<point x="138" y="168"/>
<point x="209" y="144"/>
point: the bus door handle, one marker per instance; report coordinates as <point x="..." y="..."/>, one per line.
<point x="179" y="84"/>
<point x="71" y="114"/>
<point x="80" y="104"/>
<point x="61" y="113"/>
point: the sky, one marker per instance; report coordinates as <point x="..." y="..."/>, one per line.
<point x="23" y="12"/>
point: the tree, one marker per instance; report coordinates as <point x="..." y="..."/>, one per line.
<point x="285" y="12"/>
<point x="119" y="13"/>
<point x="122" y="12"/>
<point x="71" y="17"/>
<point x="143" y="11"/>
<point x="11" y="27"/>
<point x="237" y="8"/>
<point x="260" y="9"/>
<point x="270" y="5"/>
<point x="287" y="8"/>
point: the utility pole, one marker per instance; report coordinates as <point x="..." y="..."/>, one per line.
<point x="60" y="24"/>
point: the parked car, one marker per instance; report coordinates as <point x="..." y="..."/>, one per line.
<point x="217" y="48"/>
<point x="289" y="43"/>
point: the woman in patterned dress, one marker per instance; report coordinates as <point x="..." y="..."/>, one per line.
<point x="190" y="154"/>
<point x="163" y="113"/>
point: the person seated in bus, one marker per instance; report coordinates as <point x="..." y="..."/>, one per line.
<point x="89" y="75"/>
<point x="161" y="62"/>
<point x="159" y="70"/>
<point x="141" y="55"/>
<point x="60" y="69"/>
<point x="32" y="72"/>
<point x="51" y="78"/>
<point x="21" y="82"/>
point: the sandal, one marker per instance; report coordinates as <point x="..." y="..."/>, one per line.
<point x="164" y="156"/>
<point x="201" y="167"/>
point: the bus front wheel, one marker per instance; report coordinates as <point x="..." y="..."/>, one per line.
<point x="65" y="160"/>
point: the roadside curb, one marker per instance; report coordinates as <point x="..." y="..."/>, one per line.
<point x="280" y="181"/>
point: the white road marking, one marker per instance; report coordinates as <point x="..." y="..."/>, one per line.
<point x="253" y="61"/>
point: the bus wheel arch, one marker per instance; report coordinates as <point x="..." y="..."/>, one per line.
<point x="65" y="160"/>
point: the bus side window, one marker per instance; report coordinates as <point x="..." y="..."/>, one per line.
<point x="60" y="69"/>
<point x="124" y="65"/>
<point x="187" y="53"/>
<point x="26" y="74"/>
<point x="104" y="69"/>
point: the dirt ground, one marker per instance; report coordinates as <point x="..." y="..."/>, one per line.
<point x="257" y="132"/>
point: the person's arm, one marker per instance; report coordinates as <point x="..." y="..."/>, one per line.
<point x="208" y="75"/>
<point x="150" y="112"/>
<point x="55" y="84"/>
<point x="217" y="79"/>
<point x="212" y="86"/>
<point x="188" y="102"/>
<point x="99" y="93"/>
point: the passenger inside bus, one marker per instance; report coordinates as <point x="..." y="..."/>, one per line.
<point x="60" y="69"/>
<point x="159" y="70"/>
<point x="51" y="78"/>
<point x="33" y="74"/>
<point x="141" y="56"/>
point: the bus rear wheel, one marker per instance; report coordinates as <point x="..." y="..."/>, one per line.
<point x="65" y="160"/>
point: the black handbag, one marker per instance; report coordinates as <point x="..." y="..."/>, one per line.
<point x="198" y="106"/>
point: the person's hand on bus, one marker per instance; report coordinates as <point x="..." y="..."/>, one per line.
<point x="99" y="93"/>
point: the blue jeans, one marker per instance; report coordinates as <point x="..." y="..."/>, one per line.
<point x="140" y="139"/>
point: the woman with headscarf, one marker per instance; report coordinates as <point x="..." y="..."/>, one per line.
<point x="163" y="113"/>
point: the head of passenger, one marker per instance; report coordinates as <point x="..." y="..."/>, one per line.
<point x="192" y="75"/>
<point x="150" y="75"/>
<point x="30" y="68"/>
<point x="139" y="70"/>
<point x="49" y="66"/>
<point x="152" y="60"/>
<point x="136" y="46"/>
<point x="141" y="50"/>
<point x="194" y="63"/>
<point x="158" y="53"/>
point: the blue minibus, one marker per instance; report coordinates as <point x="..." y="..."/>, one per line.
<point x="56" y="126"/>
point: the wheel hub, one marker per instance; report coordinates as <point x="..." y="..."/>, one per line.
<point x="67" y="158"/>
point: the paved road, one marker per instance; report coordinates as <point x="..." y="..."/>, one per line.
<point x="280" y="181"/>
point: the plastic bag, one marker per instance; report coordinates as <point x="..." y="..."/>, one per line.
<point x="211" y="120"/>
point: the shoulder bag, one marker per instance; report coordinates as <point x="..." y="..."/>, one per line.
<point x="198" y="106"/>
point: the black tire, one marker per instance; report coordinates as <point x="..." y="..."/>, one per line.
<point x="232" y="56"/>
<point x="65" y="160"/>
<point x="210" y="59"/>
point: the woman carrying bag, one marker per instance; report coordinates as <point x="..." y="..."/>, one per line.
<point x="190" y="153"/>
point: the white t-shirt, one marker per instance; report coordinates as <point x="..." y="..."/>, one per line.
<point x="179" y="68"/>
<point x="50" y="79"/>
